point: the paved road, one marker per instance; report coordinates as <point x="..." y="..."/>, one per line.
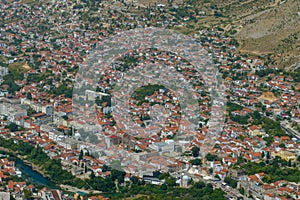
<point x="290" y="131"/>
<point x="282" y="124"/>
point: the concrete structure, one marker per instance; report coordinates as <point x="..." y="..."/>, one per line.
<point x="162" y="146"/>
<point x="4" y="196"/>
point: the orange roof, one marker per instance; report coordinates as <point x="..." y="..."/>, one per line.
<point x="254" y="178"/>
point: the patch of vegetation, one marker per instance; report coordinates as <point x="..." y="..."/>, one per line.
<point x="231" y="182"/>
<point x="199" y="191"/>
<point x="128" y="61"/>
<point x="16" y="72"/>
<point x="272" y="127"/>
<point x="13" y="127"/>
<point x="53" y="169"/>
<point x="211" y="157"/>
<point x="147" y="90"/>
<point x="62" y="89"/>
<point x="104" y="99"/>
<point x="240" y="119"/>
<point x="12" y="86"/>
<point x="275" y="170"/>
<point x="233" y="106"/>
<point x="196" y="161"/>
<point x="36" y="77"/>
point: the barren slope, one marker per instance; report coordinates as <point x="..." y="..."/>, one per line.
<point x="274" y="30"/>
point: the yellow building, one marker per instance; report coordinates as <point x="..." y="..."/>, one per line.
<point x="286" y="155"/>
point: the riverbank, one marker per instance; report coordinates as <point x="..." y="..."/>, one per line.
<point x="35" y="168"/>
<point x="30" y="172"/>
<point x="38" y="169"/>
<point x="34" y="177"/>
<point x="23" y="158"/>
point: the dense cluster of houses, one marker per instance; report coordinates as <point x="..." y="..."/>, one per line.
<point x="49" y="122"/>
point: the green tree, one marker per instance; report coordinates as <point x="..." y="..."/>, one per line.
<point x="269" y="140"/>
<point x="282" y="145"/>
<point x="164" y="186"/>
<point x="105" y="168"/>
<point x="28" y="96"/>
<point x="290" y="163"/>
<point x="134" y="180"/>
<point x="10" y="81"/>
<point x="92" y="175"/>
<point x="118" y="175"/>
<point x="242" y="190"/>
<point x="211" y="157"/>
<point x="196" y="161"/>
<point x="27" y="193"/>
<point x="231" y="182"/>
<point x="80" y="155"/>
<point x="30" y="111"/>
<point x="199" y="185"/>
<point x="195" y="151"/>
<point x="13" y="127"/>
<point x="171" y="181"/>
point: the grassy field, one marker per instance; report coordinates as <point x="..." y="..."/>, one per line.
<point x="19" y="67"/>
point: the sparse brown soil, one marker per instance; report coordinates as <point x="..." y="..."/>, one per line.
<point x="269" y="96"/>
<point x="146" y="3"/>
<point x="274" y="30"/>
<point x="19" y="67"/>
<point x="297" y="87"/>
<point x="26" y="66"/>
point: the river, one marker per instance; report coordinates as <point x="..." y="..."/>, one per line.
<point x="33" y="176"/>
<point x="28" y="174"/>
